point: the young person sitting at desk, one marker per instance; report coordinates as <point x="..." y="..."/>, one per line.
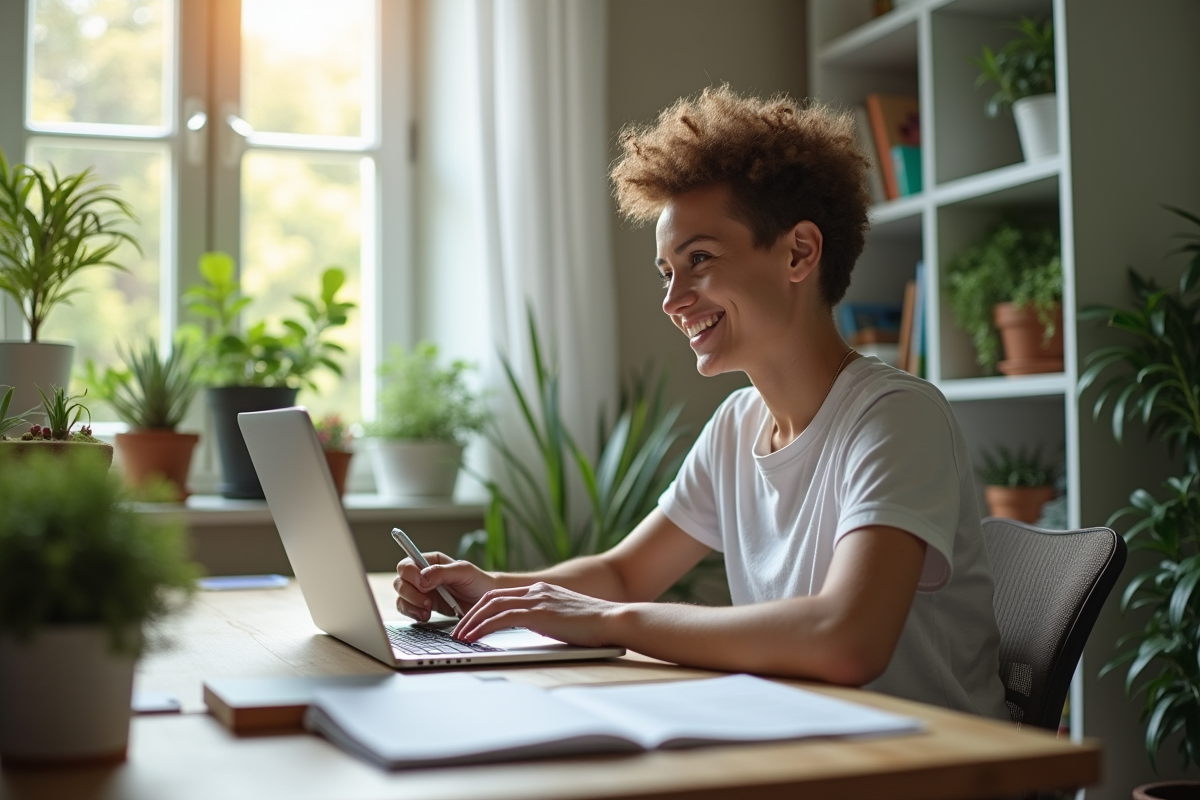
<point x="840" y="489"/>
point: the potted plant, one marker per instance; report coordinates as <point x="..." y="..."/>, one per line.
<point x="151" y="395"/>
<point x="51" y="228"/>
<point x="426" y="413"/>
<point x="1017" y="483"/>
<point x="1023" y="71"/>
<point x="1154" y="377"/>
<point x="59" y="436"/>
<point x="255" y="369"/>
<point x="80" y="572"/>
<point x="532" y="517"/>
<point x="1009" y="288"/>
<point x="335" y="437"/>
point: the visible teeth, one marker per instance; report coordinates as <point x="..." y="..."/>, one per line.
<point x="707" y="322"/>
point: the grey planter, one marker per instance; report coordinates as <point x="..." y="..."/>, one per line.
<point x="238" y="478"/>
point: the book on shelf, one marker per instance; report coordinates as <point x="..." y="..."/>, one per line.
<point x="916" y="352"/>
<point x="906" y="325"/>
<point x="456" y="718"/>
<point x="906" y="161"/>
<point x="866" y="142"/>
<point x="895" y="120"/>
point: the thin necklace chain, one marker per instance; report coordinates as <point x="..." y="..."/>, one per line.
<point x="837" y="372"/>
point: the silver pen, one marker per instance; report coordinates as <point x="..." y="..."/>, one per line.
<point x="411" y="549"/>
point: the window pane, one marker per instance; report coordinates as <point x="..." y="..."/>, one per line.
<point x="305" y="69"/>
<point x="101" y="61"/>
<point x="300" y="214"/>
<point x="113" y="307"/>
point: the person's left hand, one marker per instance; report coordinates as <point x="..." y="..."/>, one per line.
<point x="543" y="608"/>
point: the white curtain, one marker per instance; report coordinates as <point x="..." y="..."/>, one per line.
<point x="545" y="213"/>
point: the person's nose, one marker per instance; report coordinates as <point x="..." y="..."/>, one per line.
<point x="680" y="294"/>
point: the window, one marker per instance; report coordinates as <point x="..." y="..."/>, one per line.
<point x="260" y="127"/>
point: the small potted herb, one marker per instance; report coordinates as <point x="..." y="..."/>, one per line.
<point x="335" y="437"/>
<point x="151" y="394"/>
<point x="251" y="368"/>
<point x="426" y="413"/>
<point x="1023" y="71"/>
<point x="59" y="435"/>
<point x="1017" y="483"/>
<point x="1009" y="288"/>
<point x="81" y="571"/>
<point x="52" y="227"/>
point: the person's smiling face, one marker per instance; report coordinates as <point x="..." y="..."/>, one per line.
<point x="731" y="299"/>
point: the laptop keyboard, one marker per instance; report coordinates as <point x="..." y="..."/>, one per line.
<point x="417" y="641"/>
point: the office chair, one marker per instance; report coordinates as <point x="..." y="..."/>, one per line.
<point x="1050" y="586"/>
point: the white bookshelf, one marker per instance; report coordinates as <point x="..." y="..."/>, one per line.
<point x="1129" y="123"/>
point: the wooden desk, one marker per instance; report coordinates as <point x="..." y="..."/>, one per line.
<point x="269" y="632"/>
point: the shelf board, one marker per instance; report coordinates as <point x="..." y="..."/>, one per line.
<point x="1024" y="182"/>
<point x="902" y="209"/>
<point x="889" y="40"/>
<point x="1003" y="388"/>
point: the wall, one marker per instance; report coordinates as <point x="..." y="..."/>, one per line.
<point x="660" y="50"/>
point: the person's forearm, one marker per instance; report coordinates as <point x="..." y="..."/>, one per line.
<point x="802" y="638"/>
<point x="591" y="575"/>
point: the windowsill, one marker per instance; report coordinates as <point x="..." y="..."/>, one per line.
<point x="208" y="511"/>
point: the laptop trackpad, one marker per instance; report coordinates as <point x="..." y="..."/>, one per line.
<point x="519" y="638"/>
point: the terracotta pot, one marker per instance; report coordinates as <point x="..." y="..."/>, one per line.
<point x="66" y="697"/>
<point x="19" y="448"/>
<point x="1022" y="503"/>
<point x="162" y="454"/>
<point x="1026" y="349"/>
<point x="1168" y="790"/>
<point x="339" y="466"/>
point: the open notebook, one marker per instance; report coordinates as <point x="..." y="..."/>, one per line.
<point x="460" y="719"/>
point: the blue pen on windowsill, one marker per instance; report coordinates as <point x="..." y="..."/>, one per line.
<point x="411" y="549"/>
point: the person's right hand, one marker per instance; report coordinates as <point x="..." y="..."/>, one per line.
<point x="416" y="589"/>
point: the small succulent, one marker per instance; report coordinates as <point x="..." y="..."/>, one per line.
<point x="62" y="414"/>
<point x="334" y="433"/>
<point x="1020" y="467"/>
<point x="7" y="423"/>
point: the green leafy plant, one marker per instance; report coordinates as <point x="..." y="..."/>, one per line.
<point x="72" y="551"/>
<point x="7" y="423"/>
<point x="638" y="459"/>
<point x="51" y="228"/>
<point x="63" y="412"/>
<point x="422" y="400"/>
<point x="333" y="433"/>
<point x="1017" y="263"/>
<point x="149" y="392"/>
<point x="1156" y="380"/>
<point x="1023" y="67"/>
<point x="1024" y="466"/>
<point x="257" y="357"/>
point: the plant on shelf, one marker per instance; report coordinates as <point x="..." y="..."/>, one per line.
<point x="151" y="393"/>
<point x="1155" y="379"/>
<point x="532" y="517"/>
<point x="8" y="423"/>
<point x="1023" y="72"/>
<point x="251" y="368"/>
<point x="52" y="227"/>
<point x="1017" y="483"/>
<point x="81" y="572"/>
<point x="426" y="413"/>
<point x="1011" y="284"/>
<point x="335" y="438"/>
<point x="62" y="413"/>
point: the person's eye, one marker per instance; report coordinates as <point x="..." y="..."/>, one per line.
<point x="698" y="257"/>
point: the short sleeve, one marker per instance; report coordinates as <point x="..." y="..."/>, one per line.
<point x="690" y="500"/>
<point x="901" y="471"/>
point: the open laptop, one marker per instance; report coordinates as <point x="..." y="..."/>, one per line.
<point x="321" y="549"/>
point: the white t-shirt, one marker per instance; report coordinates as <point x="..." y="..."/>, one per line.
<point x="884" y="449"/>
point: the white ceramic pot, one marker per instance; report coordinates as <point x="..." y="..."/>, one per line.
<point x="1037" y="125"/>
<point x="26" y="366"/>
<point x="65" y="697"/>
<point x="414" y="468"/>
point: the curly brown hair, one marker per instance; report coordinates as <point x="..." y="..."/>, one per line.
<point x="784" y="162"/>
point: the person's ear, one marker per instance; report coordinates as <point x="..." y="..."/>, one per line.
<point x="805" y="242"/>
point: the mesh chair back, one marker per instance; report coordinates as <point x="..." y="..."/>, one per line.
<point x="1050" y="586"/>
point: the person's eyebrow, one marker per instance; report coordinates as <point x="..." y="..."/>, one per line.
<point x="658" y="262"/>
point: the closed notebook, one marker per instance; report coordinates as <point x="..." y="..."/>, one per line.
<point x="456" y="719"/>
